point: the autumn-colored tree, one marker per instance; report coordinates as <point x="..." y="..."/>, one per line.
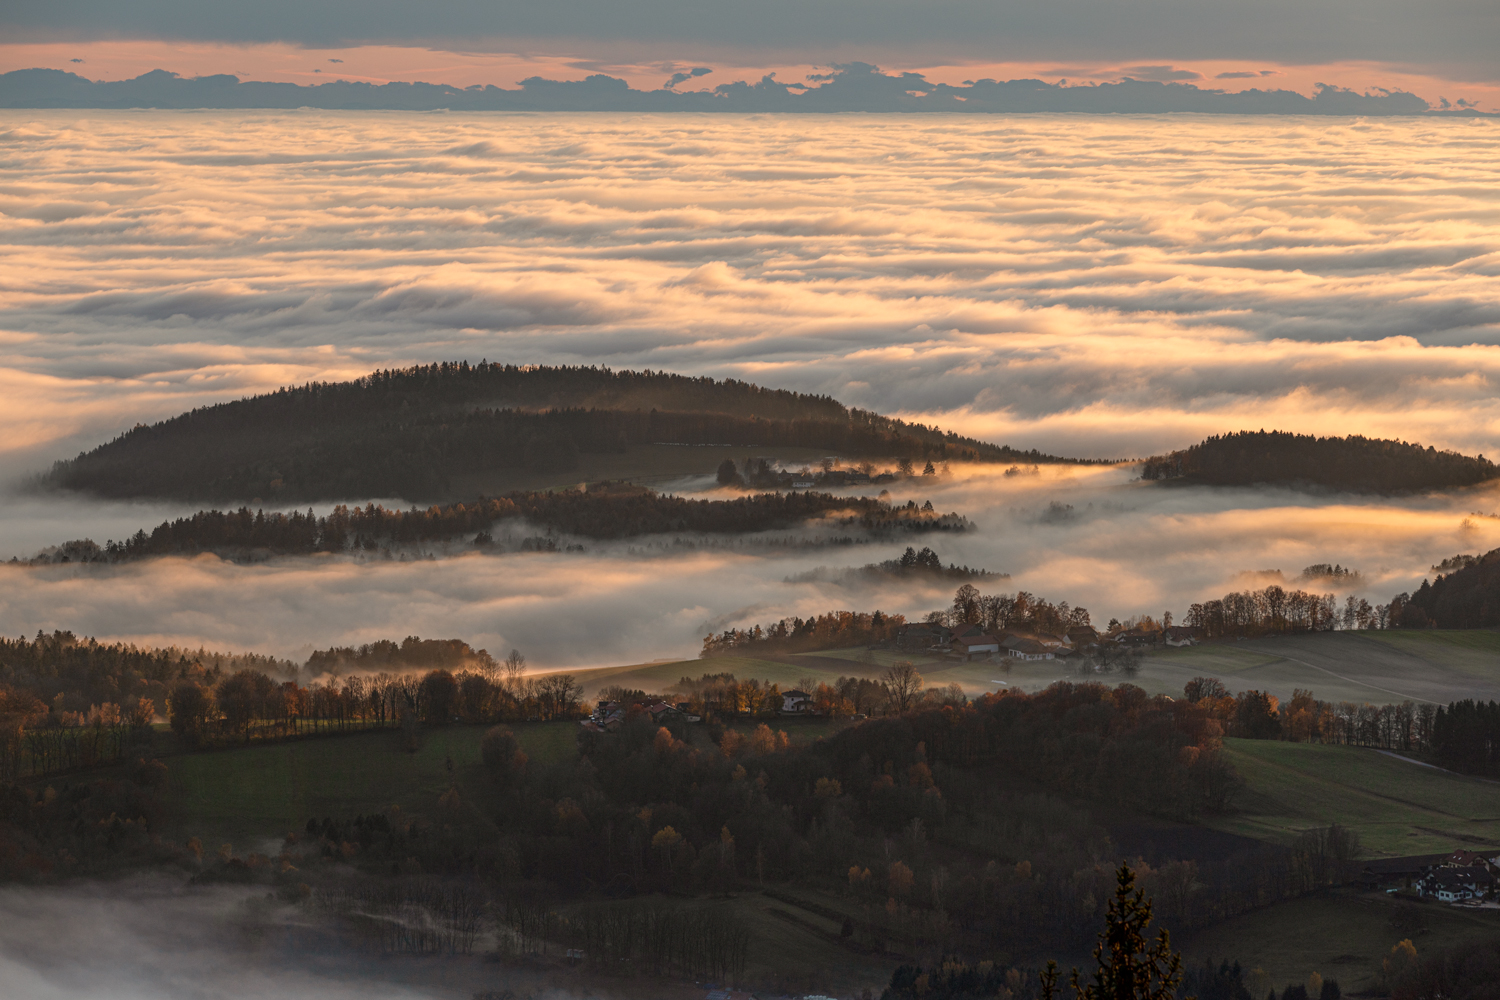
<point x="731" y="742"/>
<point x="762" y="741"/>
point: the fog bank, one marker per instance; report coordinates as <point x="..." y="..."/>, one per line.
<point x="1091" y="536"/>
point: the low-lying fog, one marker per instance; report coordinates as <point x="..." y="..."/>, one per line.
<point x="152" y="938"/>
<point x="1089" y="535"/>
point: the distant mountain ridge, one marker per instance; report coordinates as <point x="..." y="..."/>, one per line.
<point x="851" y="87"/>
<point x="410" y="432"/>
<point x="1354" y="463"/>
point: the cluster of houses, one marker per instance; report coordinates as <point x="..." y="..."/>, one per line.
<point x="1460" y="876"/>
<point x="608" y="716"/>
<point x="970" y="642"/>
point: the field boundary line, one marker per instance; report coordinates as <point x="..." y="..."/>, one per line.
<point x="1351" y="680"/>
<point x="1423" y="763"/>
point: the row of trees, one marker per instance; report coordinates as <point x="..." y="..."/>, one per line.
<point x="992" y="612"/>
<point x="1349" y="463"/>
<point x="1306" y="719"/>
<point x="825" y="631"/>
<point x="899" y="690"/>
<point x="409" y="432"/>
<point x="68" y="673"/>
<point x="36" y="741"/>
<point x="1276" y="610"/>
<point x="608" y="513"/>
<point x="1466" y="736"/>
<point x="248" y="705"/>
<point x="997" y="612"/>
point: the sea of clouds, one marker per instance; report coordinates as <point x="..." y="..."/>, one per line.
<point x="1093" y="286"/>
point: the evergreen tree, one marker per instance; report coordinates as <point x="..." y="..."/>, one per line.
<point x="1129" y="968"/>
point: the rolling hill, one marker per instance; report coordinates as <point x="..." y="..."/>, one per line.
<point x="1354" y="463"/>
<point x="435" y="431"/>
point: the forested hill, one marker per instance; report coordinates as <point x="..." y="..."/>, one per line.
<point x="1466" y="597"/>
<point x="1360" y="464"/>
<point x="409" y="432"/>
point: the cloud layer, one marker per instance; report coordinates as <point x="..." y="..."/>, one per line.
<point x="1084" y="285"/>
<point x="1090" y="286"/>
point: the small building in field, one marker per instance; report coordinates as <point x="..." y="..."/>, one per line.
<point x="1023" y="647"/>
<point x="796" y="702"/>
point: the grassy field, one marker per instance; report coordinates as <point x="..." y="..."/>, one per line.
<point x="790" y="670"/>
<point x="250" y="794"/>
<point x="1339" y="934"/>
<point x="1376" y="667"/>
<point x="1397" y="807"/>
<point x="794" y="949"/>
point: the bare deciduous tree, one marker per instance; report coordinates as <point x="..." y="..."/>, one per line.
<point x="904" y="684"/>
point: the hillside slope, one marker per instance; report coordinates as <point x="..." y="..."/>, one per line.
<point x="411" y="432"/>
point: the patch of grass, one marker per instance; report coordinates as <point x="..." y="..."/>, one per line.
<point x="1397" y="807"/>
<point x="258" y="792"/>
<point x="1339" y="934"/>
<point x="1376" y="667"/>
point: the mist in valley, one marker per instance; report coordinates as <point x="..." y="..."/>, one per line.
<point x="1094" y="536"/>
<point x="154" y="937"/>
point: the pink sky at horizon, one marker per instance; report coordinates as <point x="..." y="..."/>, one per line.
<point x="285" y="63"/>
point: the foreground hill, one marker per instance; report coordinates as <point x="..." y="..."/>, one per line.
<point x="1354" y="463"/>
<point x="412" y="432"/>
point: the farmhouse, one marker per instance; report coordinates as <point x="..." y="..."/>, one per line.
<point x="1452" y="884"/>
<point x="796" y="702"/>
<point x="1083" y="636"/>
<point x="1138" y="637"/>
<point x="921" y="635"/>
<point x="1179" y="635"/>
<point x="970" y="646"/>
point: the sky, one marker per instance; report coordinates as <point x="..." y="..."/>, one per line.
<point x="1437" y="50"/>
<point x="1088" y="286"/>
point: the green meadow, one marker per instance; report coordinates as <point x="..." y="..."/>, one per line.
<point x="247" y="794"/>
<point x="1398" y="807"/>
